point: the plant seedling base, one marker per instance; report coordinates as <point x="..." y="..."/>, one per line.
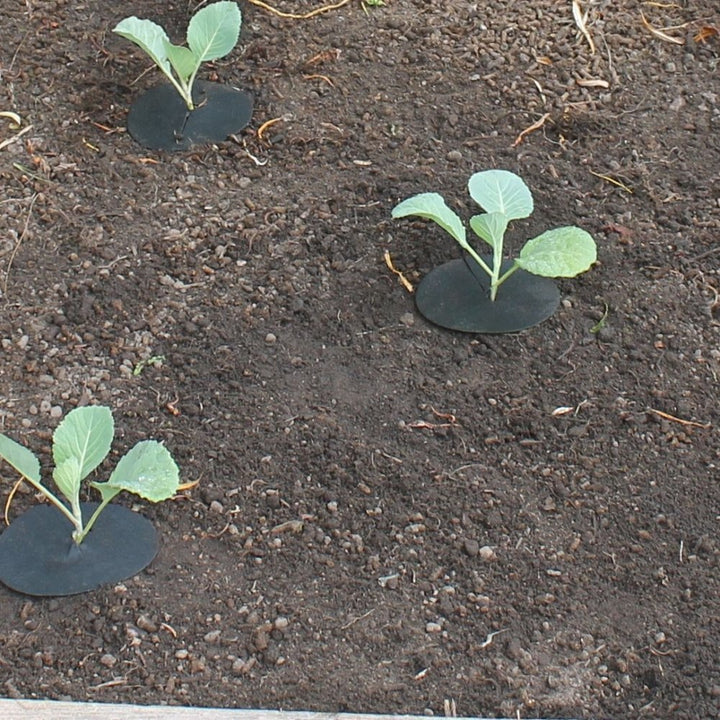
<point x="160" y="120"/>
<point x="39" y="557"/>
<point x="456" y="296"/>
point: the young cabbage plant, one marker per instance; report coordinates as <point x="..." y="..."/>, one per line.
<point x="562" y="252"/>
<point x="212" y="34"/>
<point x="80" y="443"/>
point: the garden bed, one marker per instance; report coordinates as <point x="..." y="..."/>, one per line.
<point x="389" y="517"/>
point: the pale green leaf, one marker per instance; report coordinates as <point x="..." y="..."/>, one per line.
<point x="108" y="492"/>
<point x="22" y="459"/>
<point x="501" y="191"/>
<point x="147" y="35"/>
<point x="68" y="478"/>
<point x="85" y="434"/>
<point x="148" y="470"/>
<point x="214" y="30"/>
<point x="562" y="252"/>
<point x="433" y="207"/>
<point x="183" y="60"/>
<point x="490" y="227"/>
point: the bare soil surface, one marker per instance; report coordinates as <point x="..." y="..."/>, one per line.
<point x="389" y="517"/>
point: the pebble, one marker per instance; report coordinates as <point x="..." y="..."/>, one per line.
<point x="281" y="622"/>
<point x="433" y="627"/>
<point x="454" y="156"/>
<point x="108" y="660"/>
<point x="146" y="624"/>
<point x="407" y="319"/>
<point x="487" y="553"/>
<point x="197" y="665"/>
<point x="216" y="507"/>
<point x="471" y="547"/>
<point x="213" y="637"/>
<point x="271" y="338"/>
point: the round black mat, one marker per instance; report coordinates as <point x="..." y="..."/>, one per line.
<point x="39" y="557"/>
<point x="160" y="120"/>
<point x="456" y="296"/>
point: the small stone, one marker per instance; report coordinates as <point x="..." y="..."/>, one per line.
<point x="605" y="334"/>
<point x="213" y="637"/>
<point x="197" y="665"/>
<point x="271" y="338"/>
<point x="677" y="104"/>
<point x="216" y="507"/>
<point x="146" y="624"/>
<point x="471" y="547"/>
<point x="108" y="660"/>
<point x="407" y="319"/>
<point x="261" y="641"/>
<point x="454" y="156"/>
<point x="281" y="623"/>
<point x="182" y="654"/>
<point x="487" y="553"/>
<point x="433" y="627"/>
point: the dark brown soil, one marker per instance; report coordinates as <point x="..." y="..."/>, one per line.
<point x="390" y="517"/>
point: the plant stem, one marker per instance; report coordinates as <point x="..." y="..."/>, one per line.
<point x="183" y="90"/>
<point x="77" y="522"/>
<point x="477" y="259"/>
<point x="55" y="501"/>
<point x="78" y="537"/>
<point x="502" y="279"/>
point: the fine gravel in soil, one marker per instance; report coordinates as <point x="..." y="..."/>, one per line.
<point x="389" y="517"/>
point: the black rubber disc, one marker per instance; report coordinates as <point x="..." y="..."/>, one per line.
<point x="160" y="120"/>
<point x="39" y="557"/>
<point x="456" y="296"/>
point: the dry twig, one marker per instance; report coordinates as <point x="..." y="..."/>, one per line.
<point x="9" y="500"/>
<point x="535" y="126"/>
<point x="18" y="243"/>
<point x="581" y="21"/>
<point x="691" y="423"/>
<point x="266" y="125"/>
<point x="612" y="180"/>
<point x="405" y="282"/>
<point x="295" y="16"/>
<point x="660" y="34"/>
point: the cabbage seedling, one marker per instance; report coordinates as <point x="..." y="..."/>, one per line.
<point x="562" y="252"/>
<point x="212" y="34"/>
<point x="80" y="443"/>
